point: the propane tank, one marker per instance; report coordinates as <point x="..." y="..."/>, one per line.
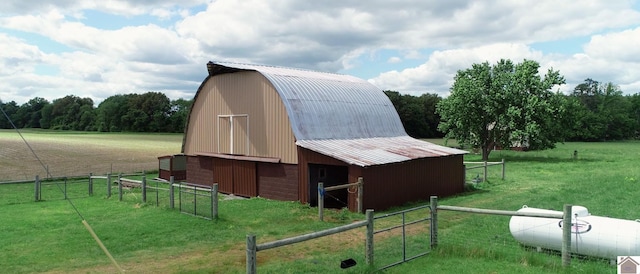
<point x="595" y="236"/>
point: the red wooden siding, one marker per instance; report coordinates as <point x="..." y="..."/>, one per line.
<point x="397" y="184"/>
<point x="278" y="181"/>
<point x="200" y="170"/>
<point x="244" y="179"/>
<point x="223" y="174"/>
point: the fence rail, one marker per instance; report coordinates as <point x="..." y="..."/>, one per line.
<point x="187" y="193"/>
<point x="253" y="247"/>
<point x="322" y="190"/>
<point x="484" y="165"/>
<point x="565" y="216"/>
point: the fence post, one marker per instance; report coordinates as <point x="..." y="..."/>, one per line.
<point x="502" y="168"/>
<point x="120" y="187"/>
<point x="195" y="201"/>
<point x="360" y="194"/>
<point x="108" y="185"/>
<point x="37" y="188"/>
<point x="321" y="201"/>
<point x="464" y="180"/>
<point x="171" y="194"/>
<point x="434" y="221"/>
<point x="144" y="189"/>
<point x="369" y="241"/>
<point x="65" y="188"/>
<point x="90" y="184"/>
<point x="214" y="201"/>
<point x="485" y="171"/>
<point x="566" y="236"/>
<point x="251" y="254"/>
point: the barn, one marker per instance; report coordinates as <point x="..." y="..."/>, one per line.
<point x="276" y="132"/>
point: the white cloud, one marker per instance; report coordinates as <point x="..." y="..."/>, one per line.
<point x="328" y="35"/>
<point x="436" y="75"/>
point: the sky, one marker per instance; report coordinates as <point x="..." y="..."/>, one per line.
<point x="96" y="49"/>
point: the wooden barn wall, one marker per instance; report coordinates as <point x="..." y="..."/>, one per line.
<point x="278" y="181"/>
<point x="244" y="178"/>
<point x="306" y="157"/>
<point x="223" y="174"/>
<point x="240" y="93"/>
<point x="199" y="170"/>
<point x="396" y="184"/>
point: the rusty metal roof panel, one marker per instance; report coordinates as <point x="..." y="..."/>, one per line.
<point x="378" y="151"/>
<point x="325" y="106"/>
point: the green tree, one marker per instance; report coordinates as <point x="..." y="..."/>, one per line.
<point x="179" y="113"/>
<point x="601" y="112"/>
<point x="417" y="113"/>
<point x="72" y="113"/>
<point x="504" y="105"/>
<point x="110" y="112"/>
<point x="10" y="109"/>
<point x="147" y="112"/>
<point x="33" y="111"/>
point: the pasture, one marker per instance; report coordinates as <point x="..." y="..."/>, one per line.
<point x="49" y="237"/>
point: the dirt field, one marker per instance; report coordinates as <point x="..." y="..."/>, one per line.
<point x="80" y="153"/>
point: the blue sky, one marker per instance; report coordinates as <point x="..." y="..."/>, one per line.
<point x="51" y="49"/>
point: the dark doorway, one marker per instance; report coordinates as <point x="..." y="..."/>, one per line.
<point x="329" y="175"/>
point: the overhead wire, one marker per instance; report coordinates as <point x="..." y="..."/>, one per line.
<point x="84" y="221"/>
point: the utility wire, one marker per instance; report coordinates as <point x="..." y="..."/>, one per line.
<point x="84" y="222"/>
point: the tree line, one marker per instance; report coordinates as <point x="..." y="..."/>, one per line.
<point x="148" y="112"/>
<point x="593" y="111"/>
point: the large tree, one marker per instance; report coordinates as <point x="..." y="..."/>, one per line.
<point x="601" y="112"/>
<point x="505" y="105"/>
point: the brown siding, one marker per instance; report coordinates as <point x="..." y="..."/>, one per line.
<point x="223" y="174"/>
<point x="240" y="93"/>
<point x="244" y="179"/>
<point x="278" y="181"/>
<point x="397" y="184"/>
<point x="306" y="157"/>
<point x="200" y="170"/>
<point x="393" y="184"/>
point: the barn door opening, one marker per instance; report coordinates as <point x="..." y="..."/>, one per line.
<point x="233" y="134"/>
<point x="329" y="175"/>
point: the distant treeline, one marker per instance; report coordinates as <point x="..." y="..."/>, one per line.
<point x="148" y="112"/>
<point x="595" y="111"/>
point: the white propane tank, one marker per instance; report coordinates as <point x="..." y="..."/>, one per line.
<point x="595" y="236"/>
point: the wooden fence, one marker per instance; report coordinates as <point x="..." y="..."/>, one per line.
<point x="322" y="190"/>
<point x="253" y="247"/>
<point x="565" y="216"/>
<point x="484" y="165"/>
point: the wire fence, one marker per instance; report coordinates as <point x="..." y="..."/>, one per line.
<point x="26" y="171"/>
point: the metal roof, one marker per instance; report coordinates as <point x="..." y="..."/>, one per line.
<point x="378" y="151"/>
<point x="341" y="116"/>
<point x="325" y="105"/>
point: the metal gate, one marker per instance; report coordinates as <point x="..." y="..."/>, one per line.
<point x="407" y="218"/>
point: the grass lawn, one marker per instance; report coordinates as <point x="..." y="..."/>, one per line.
<point x="48" y="236"/>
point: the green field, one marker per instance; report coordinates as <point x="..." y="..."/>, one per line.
<point x="48" y="236"/>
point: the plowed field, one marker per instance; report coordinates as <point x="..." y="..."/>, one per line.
<point x="70" y="154"/>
